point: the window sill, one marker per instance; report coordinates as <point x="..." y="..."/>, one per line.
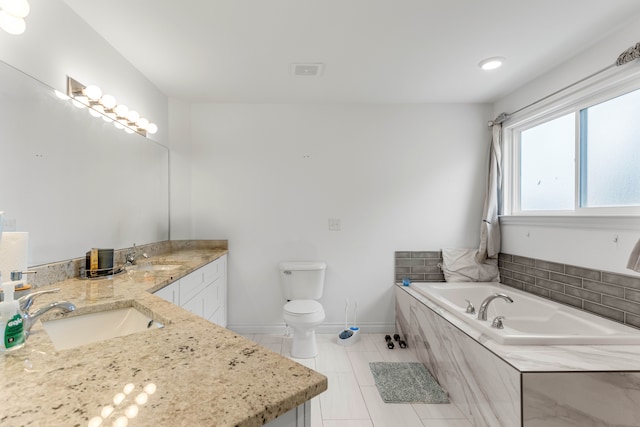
<point x="616" y="222"/>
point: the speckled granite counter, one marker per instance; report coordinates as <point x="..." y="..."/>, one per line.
<point x="191" y="372"/>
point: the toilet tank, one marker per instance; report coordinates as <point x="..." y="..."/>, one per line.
<point x="302" y="279"/>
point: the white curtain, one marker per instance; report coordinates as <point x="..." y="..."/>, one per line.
<point x="490" y="226"/>
<point x="634" y="258"/>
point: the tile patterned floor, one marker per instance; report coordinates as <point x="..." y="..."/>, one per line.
<point x="352" y="399"/>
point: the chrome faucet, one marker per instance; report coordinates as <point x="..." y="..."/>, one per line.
<point x="29" y="319"/>
<point x="131" y="256"/>
<point x="482" y="311"/>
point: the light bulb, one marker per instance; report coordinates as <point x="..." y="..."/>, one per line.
<point x="12" y="24"/>
<point x="108" y="102"/>
<point x="108" y="117"/>
<point x="142" y="123"/>
<point x="133" y="116"/>
<point x="121" y="110"/>
<point x="92" y="92"/>
<point x="94" y="113"/>
<point x="128" y="130"/>
<point x="118" y="125"/>
<point x="152" y="128"/>
<point x="17" y="8"/>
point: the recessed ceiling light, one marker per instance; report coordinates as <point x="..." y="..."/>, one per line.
<point x="491" y="63"/>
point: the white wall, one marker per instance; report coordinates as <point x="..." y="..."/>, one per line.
<point x="591" y="245"/>
<point x="268" y="178"/>
<point x="180" y="169"/>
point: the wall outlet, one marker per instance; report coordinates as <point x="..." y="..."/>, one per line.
<point x="334" y="224"/>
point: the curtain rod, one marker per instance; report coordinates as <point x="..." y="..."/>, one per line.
<point x="625" y="57"/>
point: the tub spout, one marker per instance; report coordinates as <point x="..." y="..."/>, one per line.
<point x="482" y="312"/>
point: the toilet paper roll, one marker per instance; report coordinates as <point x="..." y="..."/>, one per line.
<point x="14" y="253"/>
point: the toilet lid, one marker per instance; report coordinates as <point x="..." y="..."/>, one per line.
<point x="302" y="306"/>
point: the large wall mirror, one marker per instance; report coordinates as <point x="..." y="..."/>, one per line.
<point x="74" y="181"/>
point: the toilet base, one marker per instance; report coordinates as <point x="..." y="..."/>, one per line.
<point x="304" y="343"/>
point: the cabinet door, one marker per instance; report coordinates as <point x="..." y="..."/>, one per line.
<point x="191" y="285"/>
<point x="170" y="293"/>
<point x="195" y="305"/>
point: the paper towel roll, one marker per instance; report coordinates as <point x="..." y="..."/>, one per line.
<point x="14" y="253"/>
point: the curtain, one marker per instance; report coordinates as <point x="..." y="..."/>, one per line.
<point x="634" y="259"/>
<point x="490" y="225"/>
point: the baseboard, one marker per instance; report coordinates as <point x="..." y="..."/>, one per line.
<point x="325" y="328"/>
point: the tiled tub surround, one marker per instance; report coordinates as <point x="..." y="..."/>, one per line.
<point x="530" y="386"/>
<point x="203" y="374"/>
<point x="611" y="295"/>
<point x="418" y="266"/>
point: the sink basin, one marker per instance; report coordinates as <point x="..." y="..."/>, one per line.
<point x="154" y="267"/>
<point x="71" y="332"/>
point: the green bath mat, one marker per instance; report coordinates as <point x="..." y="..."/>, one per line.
<point x="406" y="383"/>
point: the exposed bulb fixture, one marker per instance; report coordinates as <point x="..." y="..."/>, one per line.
<point x="491" y="63"/>
<point x="106" y="106"/>
<point x="12" y="14"/>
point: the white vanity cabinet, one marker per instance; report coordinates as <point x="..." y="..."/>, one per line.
<point x="202" y="292"/>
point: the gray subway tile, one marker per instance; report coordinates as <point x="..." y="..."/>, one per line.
<point x="621" y="280"/>
<point x="409" y="262"/>
<point x="524" y="278"/>
<point x="505" y="257"/>
<point x="543" y="274"/>
<point x="603" y="288"/>
<point x="432" y="261"/>
<point x="631" y="320"/>
<point x="505" y="273"/>
<point x="621" y="304"/>
<point x="568" y="280"/>
<point x="412" y="277"/>
<point x="548" y="284"/>
<point x="434" y="277"/>
<point x="512" y="283"/>
<point x="585" y="273"/>
<point x="403" y="270"/>
<point x="581" y="293"/>
<point x="403" y="254"/>
<point x="426" y="269"/>
<point x="426" y="254"/>
<point x="514" y="267"/>
<point x="536" y="290"/>
<point x="607" y="312"/>
<point x="631" y="295"/>
<point x="552" y="266"/>
<point x="529" y="262"/>
<point x="566" y="299"/>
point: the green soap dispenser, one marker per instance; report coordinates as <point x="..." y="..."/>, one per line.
<point x="11" y="321"/>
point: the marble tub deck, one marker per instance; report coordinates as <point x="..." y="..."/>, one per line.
<point x="191" y="372"/>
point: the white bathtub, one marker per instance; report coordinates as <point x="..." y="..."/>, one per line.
<point x="529" y="320"/>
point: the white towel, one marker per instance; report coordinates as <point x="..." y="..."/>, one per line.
<point x="461" y="265"/>
<point x="634" y="259"/>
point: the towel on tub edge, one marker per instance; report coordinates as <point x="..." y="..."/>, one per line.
<point x="461" y="265"/>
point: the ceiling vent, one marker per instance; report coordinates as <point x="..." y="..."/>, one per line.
<point x="312" y="69"/>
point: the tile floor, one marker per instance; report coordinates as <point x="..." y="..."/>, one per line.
<point x="352" y="399"/>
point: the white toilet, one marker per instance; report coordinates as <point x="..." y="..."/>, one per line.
<point x="302" y="284"/>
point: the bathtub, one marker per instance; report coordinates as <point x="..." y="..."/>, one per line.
<point x="529" y="320"/>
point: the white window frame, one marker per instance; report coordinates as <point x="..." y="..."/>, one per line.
<point x="600" y="88"/>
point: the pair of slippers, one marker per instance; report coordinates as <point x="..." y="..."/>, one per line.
<point x="391" y="345"/>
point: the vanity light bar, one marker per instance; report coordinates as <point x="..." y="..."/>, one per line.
<point x="105" y="106"/>
<point x="12" y="14"/>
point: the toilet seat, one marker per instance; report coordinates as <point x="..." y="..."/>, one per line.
<point x="302" y="307"/>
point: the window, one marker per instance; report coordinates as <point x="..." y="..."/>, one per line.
<point x="582" y="159"/>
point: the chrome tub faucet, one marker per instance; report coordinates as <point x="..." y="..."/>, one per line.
<point x="482" y="311"/>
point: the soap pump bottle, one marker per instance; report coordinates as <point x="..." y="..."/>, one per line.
<point x="11" y="321"/>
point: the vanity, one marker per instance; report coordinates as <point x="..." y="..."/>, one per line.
<point x="189" y="371"/>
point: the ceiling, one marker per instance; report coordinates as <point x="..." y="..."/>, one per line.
<point x="373" y="51"/>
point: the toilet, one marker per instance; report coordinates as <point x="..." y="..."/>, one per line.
<point x="302" y="284"/>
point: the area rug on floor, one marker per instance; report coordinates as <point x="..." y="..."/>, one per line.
<point x="406" y="383"/>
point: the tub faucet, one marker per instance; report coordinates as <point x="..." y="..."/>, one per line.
<point x="29" y="319"/>
<point x="482" y="311"/>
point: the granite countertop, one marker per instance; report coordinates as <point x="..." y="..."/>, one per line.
<point x="191" y="372"/>
<point x="546" y="358"/>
